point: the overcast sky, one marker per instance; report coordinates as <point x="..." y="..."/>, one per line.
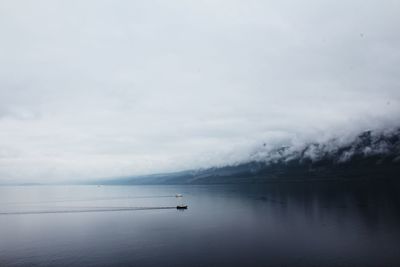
<point x="107" y="88"/>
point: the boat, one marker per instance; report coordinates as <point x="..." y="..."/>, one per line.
<point x="181" y="207"/>
<point x="178" y="195"/>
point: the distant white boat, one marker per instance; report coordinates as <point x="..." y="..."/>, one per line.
<point x="178" y="195"/>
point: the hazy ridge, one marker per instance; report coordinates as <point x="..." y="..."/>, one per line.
<point x="370" y="155"/>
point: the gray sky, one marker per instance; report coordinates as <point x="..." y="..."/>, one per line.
<point x="104" y="88"/>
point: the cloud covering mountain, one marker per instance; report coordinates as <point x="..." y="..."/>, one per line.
<point x="93" y="89"/>
<point x="370" y="156"/>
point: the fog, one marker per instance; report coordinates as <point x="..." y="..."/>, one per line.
<point x="92" y="89"/>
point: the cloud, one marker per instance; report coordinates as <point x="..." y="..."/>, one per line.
<point x="108" y="88"/>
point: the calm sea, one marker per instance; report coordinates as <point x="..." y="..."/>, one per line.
<point x="333" y="224"/>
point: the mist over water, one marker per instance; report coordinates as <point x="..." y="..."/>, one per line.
<point x="316" y="224"/>
<point x="299" y="101"/>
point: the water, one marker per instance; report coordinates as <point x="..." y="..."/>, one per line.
<point x="267" y="225"/>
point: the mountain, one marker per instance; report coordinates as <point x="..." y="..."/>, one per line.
<point x="370" y="155"/>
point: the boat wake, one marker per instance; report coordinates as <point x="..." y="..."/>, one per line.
<point x="102" y="209"/>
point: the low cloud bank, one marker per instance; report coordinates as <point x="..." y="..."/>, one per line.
<point x="92" y="89"/>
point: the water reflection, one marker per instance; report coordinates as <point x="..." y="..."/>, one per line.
<point x="331" y="224"/>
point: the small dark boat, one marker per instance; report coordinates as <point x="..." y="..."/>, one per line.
<point x="181" y="207"/>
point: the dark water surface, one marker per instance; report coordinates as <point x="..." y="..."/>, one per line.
<point x="334" y="224"/>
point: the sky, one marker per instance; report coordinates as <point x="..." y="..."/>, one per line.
<point x="92" y="89"/>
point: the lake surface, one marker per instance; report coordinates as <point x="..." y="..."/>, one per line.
<point x="333" y="224"/>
